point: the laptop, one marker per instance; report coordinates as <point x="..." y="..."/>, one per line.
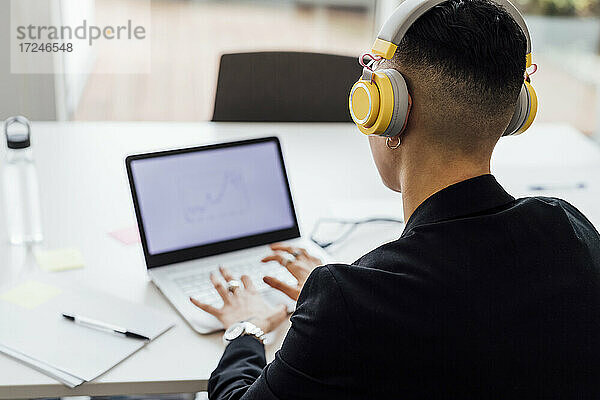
<point x="202" y="207"/>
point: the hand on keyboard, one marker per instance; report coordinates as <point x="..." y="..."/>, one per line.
<point x="242" y="304"/>
<point x="301" y="267"/>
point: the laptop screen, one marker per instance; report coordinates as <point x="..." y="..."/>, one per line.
<point x="199" y="197"/>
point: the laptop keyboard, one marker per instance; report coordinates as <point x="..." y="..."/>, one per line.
<point x="199" y="286"/>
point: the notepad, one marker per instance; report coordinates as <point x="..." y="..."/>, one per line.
<point x="63" y="377"/>
<point x="59" y="260"/>
<point x="33" y="330"/>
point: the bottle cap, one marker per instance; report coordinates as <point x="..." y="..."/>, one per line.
<point x="18" y="140"/>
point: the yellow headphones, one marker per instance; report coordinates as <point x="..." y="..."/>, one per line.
<point x="380" y="103"/>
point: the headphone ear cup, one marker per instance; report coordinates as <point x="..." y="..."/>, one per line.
<point x="520" y="114"/>
<point x="533" y="107"/>
<point x="401" y="103"/>
<point x="525" y="111"/>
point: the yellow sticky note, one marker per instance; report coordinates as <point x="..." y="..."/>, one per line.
<point x="30" y="294"/>
<point x="59" y="260"/>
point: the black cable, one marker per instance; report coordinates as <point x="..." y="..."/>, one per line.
<point x="354" y="224"/>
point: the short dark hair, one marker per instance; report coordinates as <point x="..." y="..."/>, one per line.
<point x="475" y="50"/>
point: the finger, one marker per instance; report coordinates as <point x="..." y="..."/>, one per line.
<point x="290" y="291"/>
<point x="206" y="307"/>
<point x="220" y="289"/>
<point x="288" y="264"/>
<point x="303" y="252"/>
<point x="315" y="260"/>
<point x="295" y="251"/>
<point x="277" y="257"/>
<point x="283" y="247"/>
<point x="248" y="284"/>
<point x="225" y="273"/>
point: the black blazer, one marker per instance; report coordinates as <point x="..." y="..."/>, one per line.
<point x="482" y="296"/>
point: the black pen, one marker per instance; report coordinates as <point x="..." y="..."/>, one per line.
<point x="91" y="323"/>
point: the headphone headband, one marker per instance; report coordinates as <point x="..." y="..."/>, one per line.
<point x="409" y="11"/>
<point x="380" y="102"/>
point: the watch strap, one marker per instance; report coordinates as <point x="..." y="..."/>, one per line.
<point x="247" y="329"/>
<point x="253" y="330"/>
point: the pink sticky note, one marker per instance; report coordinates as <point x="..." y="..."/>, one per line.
<point x="127" y="236"/>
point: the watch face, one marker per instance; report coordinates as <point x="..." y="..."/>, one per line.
<point x="234" y="332"/>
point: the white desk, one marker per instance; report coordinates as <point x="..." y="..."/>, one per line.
<point x="85" y="195"/>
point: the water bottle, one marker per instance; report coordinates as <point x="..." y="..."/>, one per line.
<point x="21" y="190"/>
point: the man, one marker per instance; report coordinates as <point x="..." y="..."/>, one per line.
<point x="483" y="295"/>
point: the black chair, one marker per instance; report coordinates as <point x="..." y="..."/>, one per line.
<point x="284" y="87"/>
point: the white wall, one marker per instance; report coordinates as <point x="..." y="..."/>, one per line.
<point x="79" y="65"/>
<point x="52" y="96"/>
<point x="30" y="95"/>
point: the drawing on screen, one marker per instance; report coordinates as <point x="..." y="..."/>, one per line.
<point x="213" y="195"/>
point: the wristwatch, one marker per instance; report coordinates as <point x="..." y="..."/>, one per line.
<point x="240" y="329"/>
